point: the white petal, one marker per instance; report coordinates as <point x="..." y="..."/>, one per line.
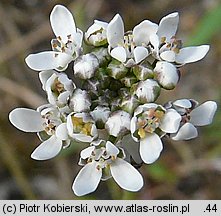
<point x="168" y="55"/>
<point x="133" y="127"/>
<point x="112" y="149"/>
<point x="86" y="153"/>
<point x="186" y="132"/>
<point x="98" y="25"/>
<point x="101" y="23"/>
<point x="203" y="114"/>
<point x="27" y="120"/>
<point x="184" y="103"/>
<point x="68" y="84"/>
<point x="78" y="38"/>
<point x="140" y="53"/>
<point x="44" y="76"/>
<point x="191" y="54"/>
<point x="63" y="97"/>
<point x="82" y="137"/>
<point x="171" y="121"/>
<point x="119" y="53"/>
<point x="150" y="148"/>
<point x="87" y="179"/>
<point x="62" y="131"/>
<point x="126" y="176"/>
<point x="154" y="40"/>
<point x="48" y="60"/>
<point x="115" y="31"/>
<point x="62" y="22"/>
<point x="168" y="26"/>
<point x="142" y="32"/>
<point x="48" y="149"/>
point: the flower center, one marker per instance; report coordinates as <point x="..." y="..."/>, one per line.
<point x="102" y="158"/>
<point x="149" y="121"/>
<point x="50" y="123"/>
<point x="80" y="126"/>
<point x="59" y="46"/>
<point x="186" y="116"/>
<point x="128" y="44"/>
<point x="57" y="87"/>
<point x="173" y="45"/>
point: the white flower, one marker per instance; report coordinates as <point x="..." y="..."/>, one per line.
<point x="46" y="119"/>
<point x="193" y="115"/>
<point x="58" y="87"/>
<point x="66" y="47"/>
<point x="101" y="159"/>
<point x="168" y="48"/>
<point x="148" y="122"/>
<point x="96" y="34"/>
<point x="81" y="127"/>
<point x="130" y="48"/>
<point x="118" y="123"/>
<point x="85" y="66"/>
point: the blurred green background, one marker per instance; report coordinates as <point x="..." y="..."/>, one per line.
<point x="185" y="170"/>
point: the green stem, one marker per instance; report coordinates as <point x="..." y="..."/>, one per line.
<point x="128" y="195"/>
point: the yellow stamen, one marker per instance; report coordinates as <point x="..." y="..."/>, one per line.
<point x="141" y="133"/>
<point x="159" y="114"/>
<point x="77" y="121"/>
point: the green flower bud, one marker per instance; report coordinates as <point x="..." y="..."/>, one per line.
<point x="116" y="69"/>
<point x="129" y="103"/>
<point x="128" y="81"/>
<point x="142" y="72"/>
<point x="103" y="78"/>
<point x="102" y="55"/>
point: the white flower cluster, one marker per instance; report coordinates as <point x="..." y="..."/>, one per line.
<point x="113" y="108"/>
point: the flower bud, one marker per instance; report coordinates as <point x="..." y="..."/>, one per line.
<point x="129" y="104"/>
<point x="166" y="74"/>
<point x="116" y="69"/>
<point x="85" y="66"/>
<point x="102" y="55"/>
<point x="80" y="101"/>
<point x="96" y="34"/>
<point x="128" y="81"/>
<point x="147" y="91"/>
<point x="142" y="72"/>
<point x="118" y="123"/>
<point x="100" y="115"/>
<point x="104" y="79"/>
